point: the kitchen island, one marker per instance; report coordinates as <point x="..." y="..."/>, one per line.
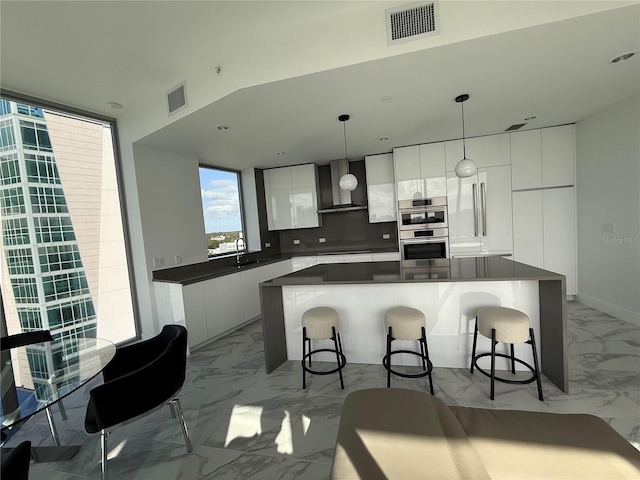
<point x="448" y="291"/>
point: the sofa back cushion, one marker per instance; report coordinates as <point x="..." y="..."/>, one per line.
<point x="401" y="434"/>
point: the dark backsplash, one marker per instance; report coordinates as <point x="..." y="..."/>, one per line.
<point x="342" y="231"/>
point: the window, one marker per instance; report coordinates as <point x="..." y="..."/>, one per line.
<point x="65" y="258"/>
<point x="222" y="209"/>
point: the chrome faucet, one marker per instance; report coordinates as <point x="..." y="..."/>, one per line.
<point x="244" y="248"/>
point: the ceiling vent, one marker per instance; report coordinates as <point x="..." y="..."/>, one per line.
<point x="411" y="22"/>
<point x="177" y="98"/>
<point x="515" y="126"/>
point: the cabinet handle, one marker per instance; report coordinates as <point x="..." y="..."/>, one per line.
<point x="483" y="198"/>
<point x="475" y="209"/>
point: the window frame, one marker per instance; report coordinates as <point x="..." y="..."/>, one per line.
<point x="243" y="223"/>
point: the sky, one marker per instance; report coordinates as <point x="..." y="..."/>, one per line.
<point x="220" y="200"/>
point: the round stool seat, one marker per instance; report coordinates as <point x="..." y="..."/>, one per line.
<point x="511" y="326"/>
<point x="406" y="322"/>
<point x="318" y="322"/>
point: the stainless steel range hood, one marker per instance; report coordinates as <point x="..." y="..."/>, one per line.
<point x="341" y="198"/>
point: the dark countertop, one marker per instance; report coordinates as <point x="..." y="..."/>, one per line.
<point x="438" y="270"/>
<point x="199" y="272"/>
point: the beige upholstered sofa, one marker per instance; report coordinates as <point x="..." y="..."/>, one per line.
<point x="403" y="434"/>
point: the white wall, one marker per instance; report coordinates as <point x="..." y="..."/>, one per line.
<point x="608" y="192"/>
<point x="171" y="219"/>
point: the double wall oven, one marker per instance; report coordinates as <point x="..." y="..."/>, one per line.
<point x="423" y="229"/>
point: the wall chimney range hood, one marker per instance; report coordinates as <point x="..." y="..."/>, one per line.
<point x="341" y="198"/>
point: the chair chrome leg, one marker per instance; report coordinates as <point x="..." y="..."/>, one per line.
<point x="176" y="403"/>
<point x="52" y="427"/>
<point x="103" y="447"/>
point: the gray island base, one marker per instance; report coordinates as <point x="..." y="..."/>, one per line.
<point x="448" y="291"/>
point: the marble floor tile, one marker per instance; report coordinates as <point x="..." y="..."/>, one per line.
<point x="249" y="425"/>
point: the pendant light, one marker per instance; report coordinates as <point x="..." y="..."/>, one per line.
<point x="465" y="167"/>
<point x="348" y="182"/>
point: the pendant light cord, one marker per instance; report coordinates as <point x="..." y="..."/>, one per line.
<point x="464" y="149"/>
<point x="344" y="130"/>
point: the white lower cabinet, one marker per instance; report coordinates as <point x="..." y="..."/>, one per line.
<point x="213" y="307"/>
<point x="544" y="231"/>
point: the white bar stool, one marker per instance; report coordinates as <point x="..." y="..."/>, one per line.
<point x="406" y="323"/>
<point x="507" y="325"/>
<point x="321" y="323"/>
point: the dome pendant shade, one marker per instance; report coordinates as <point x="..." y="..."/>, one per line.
<point x="465" y="167"/>
<point x="348" y="182"/>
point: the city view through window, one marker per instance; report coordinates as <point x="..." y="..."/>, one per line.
<point x="63" y="263"/>
<point x="222" y="211"/>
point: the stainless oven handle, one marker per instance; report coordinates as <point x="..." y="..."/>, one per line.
<point x="483" y="202"/>
<point x="475" y="210"/>
<point x="425" y="240"/>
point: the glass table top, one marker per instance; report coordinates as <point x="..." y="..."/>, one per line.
<point x="36" y="376"/>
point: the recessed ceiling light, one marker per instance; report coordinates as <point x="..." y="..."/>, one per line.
<point x="115" y="105"/>
<point x="222" y="128"/>
<point x="382" y="139"/>
<point x="386" y="98"/>
<point x="624" y="56"/>
<point x="530" y="118"/>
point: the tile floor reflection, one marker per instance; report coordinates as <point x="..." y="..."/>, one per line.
<point x="247" y="425"/>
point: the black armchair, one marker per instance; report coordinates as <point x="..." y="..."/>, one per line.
<point x="15" y="462"/>
<point x="29" y="338"/>
<point x="146" y="375"/>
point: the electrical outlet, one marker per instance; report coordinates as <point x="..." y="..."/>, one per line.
<point x="322" y="240"/>
<point x="296" y="242"/>
<point x="386" y="236"/>
<point x="178" y="259"/>
<point x="267" y="245"/>
<point x="158" y="262"/>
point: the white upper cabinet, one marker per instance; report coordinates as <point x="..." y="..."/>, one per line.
<point x="432" y="170"/>
<point x="406" y="164"/>
<point x="304" y="194"/>
<point x="291" y="195"/>
<point x="557" y="156"/>
<point x="489" y="151"/>
<point x="543" y="158"/>
<point x="526" y="167"/>
<point x="277" y="187"/>
<point x="420" y="171"/>
<point x="380" y="188"/>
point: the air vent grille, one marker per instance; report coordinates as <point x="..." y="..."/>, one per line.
<point x="177" y="98"/>
<point x="515" y="126"/>
<point x="411" y="22"/>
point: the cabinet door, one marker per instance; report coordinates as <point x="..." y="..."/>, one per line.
<point x="557" y="156"/>
<point x="222" y="309"/>
<point x="194" y="316"/>
<point x="304" y="196"/>
<point x="279" y="201"/>
<point x="462" y="206"/>
<point x="380" y="188"/>
<point x="494" y="188"/>
<point x="452" y="154"/>
<point x="558" y="210"/>
<point x="489" y="151"/>
<point x="432" y="170"/>
<point x="526" y="160"/>
<point x="527" y="228"/>
<point x="406" y="163"/>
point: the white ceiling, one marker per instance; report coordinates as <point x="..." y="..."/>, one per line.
<point x="559" y="72"/>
